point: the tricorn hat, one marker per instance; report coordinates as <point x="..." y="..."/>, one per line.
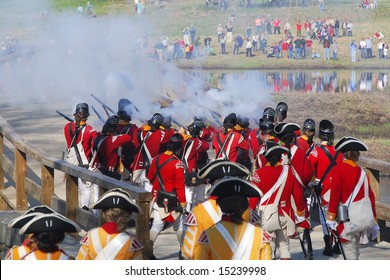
<point x="233" y="186"/>
<point x="220" y="168"/>
<point x="52" y="222"/>
<point x="282" y="128"/>
<point x="117" y="198"/>
<point x="272" y="149"/>
<point x="27" y="216"/>
<point x="350" y="144"/>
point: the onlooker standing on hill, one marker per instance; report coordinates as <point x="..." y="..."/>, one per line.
<point x="299" y="28"/>
<point x="219" y="32"/>
<point x="349" y="29"/>
<point x="229" y="32"/>
<point x="276" y="24"/>
<point x="362" y="47"/>
<point x="322" y="5"/>
<point x="248" y="47"/>
<point x="369" y="47"/>
<point x="309" y="43"/>
<point x="326" y="45"/>
<point x="353" y="51"/>
<point x="380" y="49"/>
<point x="207" y="44"/>
<point x="336" y="27"/>
<point x="334" y="49"/>
<point x="223" y="44"/>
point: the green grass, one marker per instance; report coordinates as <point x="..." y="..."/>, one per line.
<point x="171" y="16"/>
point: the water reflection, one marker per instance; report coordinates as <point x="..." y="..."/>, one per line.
<point x="338" y="81"/>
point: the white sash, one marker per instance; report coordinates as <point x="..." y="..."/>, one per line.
<point x="281" y="179"/>
<point x="242" y="250"/>
<point x="110" y="251"/>
<point x="215" y="216"/>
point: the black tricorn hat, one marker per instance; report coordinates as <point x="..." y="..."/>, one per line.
<point x="348" y="143"/>
<point x="220" y="168"/>
<point x="233" y="186"/>
<point x="52" y="222"/>
<point x="272" y="148"/>
<point x="117" y="198"/>
<point x="27" y="216"/>
<point x="282" y="128"/>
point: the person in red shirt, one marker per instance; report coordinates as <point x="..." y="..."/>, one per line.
<point x="194" y="145"/>
<point x="309" y="47"/>
<point x="150" y="138"/>
<point x="302" y="171"/>
<point x="79" y="140"/>
<point x="299" y="28"/>
<point x="350" y="184"/>
<point x="129" y="150"/>
<point x="167" y="173"/>
<point x="255" y="137"/>
<point x="105" y="148"/>
<point x="306" y="140"/>
<point x="242" y="127"/>
<point x="323" y="158"/>
<point x="270" y="179"/>
<point x="276" y="24"/>
<point x="227" y="142"/>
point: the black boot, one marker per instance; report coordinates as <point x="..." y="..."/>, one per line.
<point x="328" y="251"/>
<point x="306" y="243"/>
<point x="336" y="248"/>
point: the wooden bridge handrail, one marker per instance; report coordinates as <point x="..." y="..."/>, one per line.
<point x="45" y="192"/>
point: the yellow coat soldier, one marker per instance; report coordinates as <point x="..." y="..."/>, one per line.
<point x="111" y="241"/>
<point x="232" y="238"/>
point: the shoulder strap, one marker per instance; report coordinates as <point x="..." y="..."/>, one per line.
<point x="358" y="186"/>
<point x="74" y="142"/>
<point x="96" y="147"/>
<point x="158" y="168"/>
<point x="312" y="146"/>
<point x="183" y="155"/>
<point x="331" y="164"/>
<point x="111" y="249"/>
<point x="222" y="146"/>
<point x="279" y="184"/>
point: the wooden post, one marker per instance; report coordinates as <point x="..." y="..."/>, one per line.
<point x="47" y="178"/>
<point x="142" y="229"/>
<point x="72" y="196"/>
<point x="1" y="166"/>
<point x="20" y="177"/>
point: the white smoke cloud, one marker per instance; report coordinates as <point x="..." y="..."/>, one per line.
<point x="76" y="55"/>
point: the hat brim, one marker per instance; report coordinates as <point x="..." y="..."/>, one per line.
<point x="117" y="198"/>
<point x="49" y="223"/>
<point x="233" y="186"/>
<point x="350" y="144"/>
<point x="220" y="168"/>
<point x="275" y="150"/>
<point x="285" y="128"/>
<point x="20" y="221"/>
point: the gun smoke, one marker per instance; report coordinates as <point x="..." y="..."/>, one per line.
<point x="76" y="55"/>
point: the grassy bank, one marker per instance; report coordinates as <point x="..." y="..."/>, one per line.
<point x="171" y="16"/>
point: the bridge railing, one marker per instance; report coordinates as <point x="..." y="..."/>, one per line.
<point x="17" y="157"/>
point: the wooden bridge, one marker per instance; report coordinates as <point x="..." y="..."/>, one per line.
<point x="19" y="183"/>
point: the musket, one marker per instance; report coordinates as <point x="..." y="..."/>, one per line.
<point x="216" y="118"/>
<point x="97" y="114"/>
<point x="135" y="107"/>
<point x="177" y="123"/>
<point x="105" y="107"/>
<point x="65" y="116"/>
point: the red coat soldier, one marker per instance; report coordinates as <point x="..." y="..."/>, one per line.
<point x="167" y="173"/>
<point x="150" y="138"/>
<point x="228" y="142"/>
<point x="129" y="150"/>
<point x="323" y="158"/>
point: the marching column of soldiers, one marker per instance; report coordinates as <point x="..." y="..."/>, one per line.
<point x="245" y="203"/>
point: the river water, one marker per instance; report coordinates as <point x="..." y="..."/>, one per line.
<point x="304" y="81"/>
